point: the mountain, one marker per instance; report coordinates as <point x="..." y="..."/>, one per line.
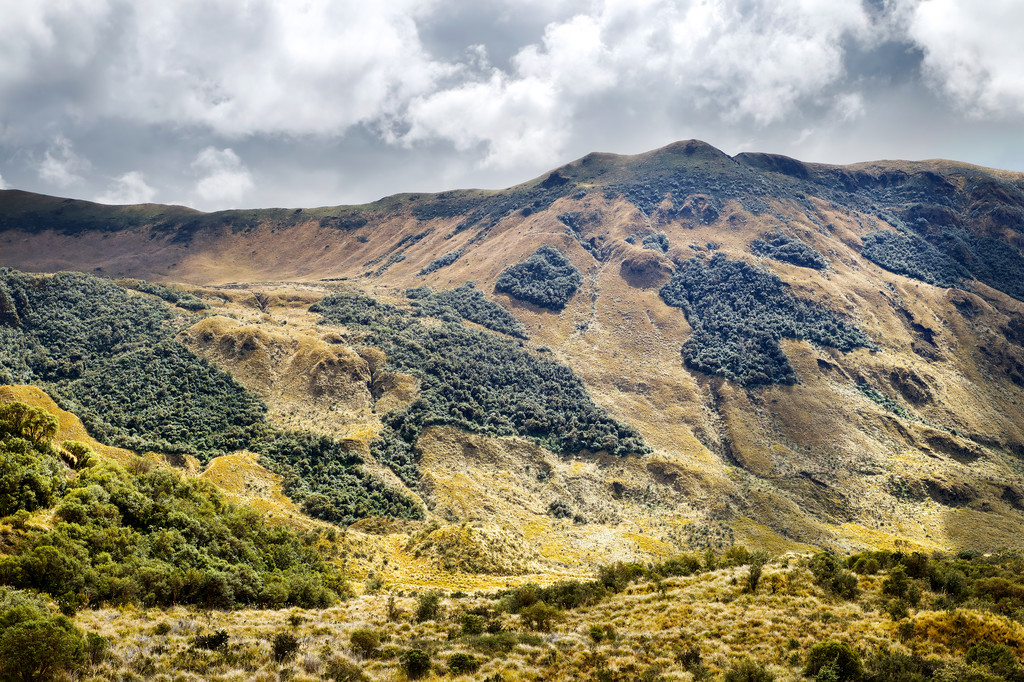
<point x="673" y="350"/>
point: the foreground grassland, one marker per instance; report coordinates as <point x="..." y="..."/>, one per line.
<point x="704" y="626"/>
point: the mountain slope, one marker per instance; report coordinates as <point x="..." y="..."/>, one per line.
<point x="912" y="434"/>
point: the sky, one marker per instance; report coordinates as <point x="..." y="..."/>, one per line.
<point x="255" y="103"/>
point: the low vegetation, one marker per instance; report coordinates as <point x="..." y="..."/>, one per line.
<point x="912" y="256"/>
<point x="478" y="381"/>
<point x="111" y="357"/>
<point x="782" y="247"/>
<point x="546" y="279"/>
<point x="469" y="303"/>
<point x="739" y="313"/>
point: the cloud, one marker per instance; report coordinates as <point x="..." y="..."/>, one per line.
<point x="61" y="165"/>
<point x="706" y="58"/>
<point x="972" y="52"/>
<point x="3" y="185"/>
<point x="224" y="181"/>
<point x="130" y="188"/>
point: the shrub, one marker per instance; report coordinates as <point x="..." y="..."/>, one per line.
<point x="829" y="573"/>
<point x="998" y="658"/>
<point x="912" y="256"/>
<point x="218" y="640"/>
<point x="754" y="575"/>
<point x="40" y="649"/>
<point x="472" y="624"/>
<point x="365" y="641"/>
<point x="784" y="248"/>
<point x="285" y="645"/>
<point x="546" y="279"/>
<point x="428" y="606"/>
<point x="844" y="660"/>
<point x="739" y="313"/>
<point x="415" y="663"/>
<point x="343" y="670"/>
<point x="540" y="616"/>
<point x="682" y="565"/>
<point x="461" y="664"/>
<point x="747" y="670"/>
<point x="896" y="583"/>
<point x="893" y="666"/>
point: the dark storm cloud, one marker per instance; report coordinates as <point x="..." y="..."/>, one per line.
<point x="216" y="104"/>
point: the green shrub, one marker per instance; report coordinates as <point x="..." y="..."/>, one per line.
<point x="415" y="663"/>
<point x="462" y="664"/>
<point x="546" y="279"/>
<point x="739" y="313"/>
<point x="214" y="642"/>
<point x="428" y="606"/>
<point x="829" y="573"/>
<point x="787" y="249"/>
<point x="365" y="641"/>
<point x="284" y="646"/>
<point x="998" y="658"/>
<point x="747" y="670"/>
<point x="40" y="649"/>
<point x="682" y="565"/>
<point x="472" y="624"/>
<point x="896" y="583"/>
<point x="540" y="616"/>
<point x="343" y="670"/>
<point x="97" y="648"/>
<point x="844" y="660"/>
<point x="467" y="302"/>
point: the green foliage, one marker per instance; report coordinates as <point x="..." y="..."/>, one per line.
<point x="782" y="247"/>
<point x="469" y="303"/>
<point x="739" y="313"/>
<point x="212" y="642"/>
<point x="997" y="658"/>
<point x="656" y="242"/>
<point x="746" y="670"/>
<point x="111" y="358"/>
<point x="885" y="665"/>
<point x="477" y="381"/>
<point x="754" y="572"/>
<point x="18" y="420"/>
<point x="912" y="256"/>
<point x="415" y="663"/>
<point x="883" y="401"/>
<point x="682" y="565"/>
<point x="546" y="279"/>
<point x="43" y="649"/>
<point x="897" y="583"/>
<point x="442" y="261"/>
<point x="30" y="477"/>
<point x="343" y="670"/>
<point x="428" y="606"/>
<point x="829" y="573"/>
<point x="154" y="538"/>
<point x="328" y="481"/>
<point x="365" y="641"/>
<point x="472" y="624"/>
<point x="178" y="297"/>
<point x="284" y="646"/>
<point x="839" y="656"/>
<point x="462" y="664"/>
<point x="540" y="616"/>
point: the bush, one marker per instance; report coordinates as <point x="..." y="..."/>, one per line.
<point x="784" y="248"/>
<point x="40" y="649"/>
<point x="428" y="606"/>
<point x="844" y="660"/>
<point x="739" y="313"/>
<point x="415" y="663"/>
<point x="285" y="646"/>
<point x="365" y="641"/>
<point x="540" y="616"/>
<point x="472" y="624"/>
<point x="747" y="670"/>
<point x="461" y="664"/>
<point x="218" y="640"/>
<point x="546" y="279"/>
<point x="829" y="573"/>
<point x="343" y="670"/>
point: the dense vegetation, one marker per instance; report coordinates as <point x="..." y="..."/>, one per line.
<point x="442" y="261"/>
<point x="143" y="536"/>
<point x="739" y="313"/>
<point x="784" y="248"/>
<point x="111" y="357"/>
<point x="469" y="303"/>
<point x="912" y="256"/>
<point x="656" y="242"/>
<point x="547" y="279"/>
<point x="478" y="381"/>
<point x="178" y="297"/>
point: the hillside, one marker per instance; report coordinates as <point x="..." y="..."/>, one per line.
<point x="660" y="352"/>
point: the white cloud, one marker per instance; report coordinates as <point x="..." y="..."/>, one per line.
<point x="3" y="184"/>
<point x="973" y="52"/>
<point x="61" y="165"/>
<point x="224" y="181"/>
<point x="130" y="188"/>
